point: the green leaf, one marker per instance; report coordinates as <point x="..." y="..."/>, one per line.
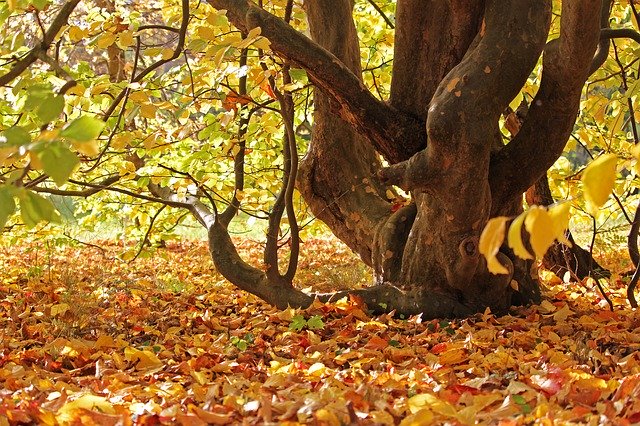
<point x="7" y="205"/>
<point x="490" y="241"/>
<point x="315" y="323"/>
<point x="297" y="323"/>
<point x="83" y="129"/>
<point x="58" y="162"/>
<point x="17" y="136"/>
<point x="34" y="208"/>
<point x="598" y="180"/>
<point x="50" y="109"/>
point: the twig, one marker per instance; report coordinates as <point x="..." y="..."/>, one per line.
<point x="593" y="240"/>
<point x="381" y="12"/>
<point x="146" y="235"/>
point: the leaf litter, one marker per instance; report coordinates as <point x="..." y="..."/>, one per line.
<point x="87" y="339"/>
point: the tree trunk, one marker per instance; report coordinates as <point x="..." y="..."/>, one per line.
<point x="457" y="66"/>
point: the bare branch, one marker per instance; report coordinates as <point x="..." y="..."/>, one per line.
<point x="611" y="33"/>
<point x="105" y="184"/>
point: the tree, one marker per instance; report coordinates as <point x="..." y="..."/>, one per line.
<point x="457" y="67"/>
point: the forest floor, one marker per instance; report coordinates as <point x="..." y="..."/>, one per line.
<point x="88" y="339"/>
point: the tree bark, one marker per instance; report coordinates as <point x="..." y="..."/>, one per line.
<point x="457" y="66"/>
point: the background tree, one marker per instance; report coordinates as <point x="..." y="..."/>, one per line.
<point x="207" y="109"/>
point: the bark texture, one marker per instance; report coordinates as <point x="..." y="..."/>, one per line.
<point x="457" y="66"/>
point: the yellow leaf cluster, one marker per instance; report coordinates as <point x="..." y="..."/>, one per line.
<point x="543" y="225"/>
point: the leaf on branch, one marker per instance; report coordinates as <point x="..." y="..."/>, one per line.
<point x="17" y="136"/>
<point x="83" y="129"/>
<point x="544" y="227"/>
<point x="35" y="208"/>
<point x="58" y="162"/>
<point x="598" y="180"/>
<point x="490" y="241"/>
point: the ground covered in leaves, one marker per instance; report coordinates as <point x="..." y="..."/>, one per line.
<point x="88" y="339"/>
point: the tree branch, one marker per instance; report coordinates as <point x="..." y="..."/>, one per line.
<point x="544" y="133"/>
<point x="392" y="132"/>
<point x="84" y="193"/>
<point x="611" y="33"/>
<point x="49" y="35"/>
<point x="381" y="12"/>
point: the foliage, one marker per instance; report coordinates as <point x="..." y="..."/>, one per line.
<point x="90" y="343"/>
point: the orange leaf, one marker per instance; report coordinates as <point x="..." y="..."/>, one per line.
<point x="376" y="343"/>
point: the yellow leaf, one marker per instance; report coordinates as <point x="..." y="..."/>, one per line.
<point x="59" y="309"/>
<point x="207" y="33"/>
<point x="262" y="43"/>
<point x="427" y="400"/>
<point x="76" y="34"/>
<point x="540" y="227"/>
<point x="144" y="360"/>
<point x="167" y="54"/>
<point x="89" y="148"/>
<point x="327" y="417"/>
<point x="125" y="39"/>
<point x="148" y="111"/>
<point x="106" y="40"/>
<point x="560" y="215"/>
<point x="105" y="341"/>
<point x="598" y="180"/>
<point x="490" y="241"/>
<point x="87" y="402"/>
<point x="422" y="417"/>
<point x="515" y="237"/>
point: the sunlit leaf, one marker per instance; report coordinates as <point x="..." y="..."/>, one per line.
<point x="560" y="215"/>
<point x="514" y="237"/>
<point x="83" y="129"/>
<point x="34" y="209"/>
<point x="540" y="226"/>
<point x="598" y="180"/>
<point x="87" y="402"/>
<point x="17" y="136"/>
<point x="58" y="162"/>
<point x="491" y="239"/>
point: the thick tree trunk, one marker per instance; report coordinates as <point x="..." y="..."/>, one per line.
<point x="458" y="65"/>
<point x="353" y="204"/>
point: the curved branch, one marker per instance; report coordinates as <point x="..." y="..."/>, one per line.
<point x="611" y="33"/>
<point x="544" y="133"/>
<point x="49" y="36"/>
<point x="85" y="193"/>
<point x="603" y="47"/>
<point x="395" y="135"/>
